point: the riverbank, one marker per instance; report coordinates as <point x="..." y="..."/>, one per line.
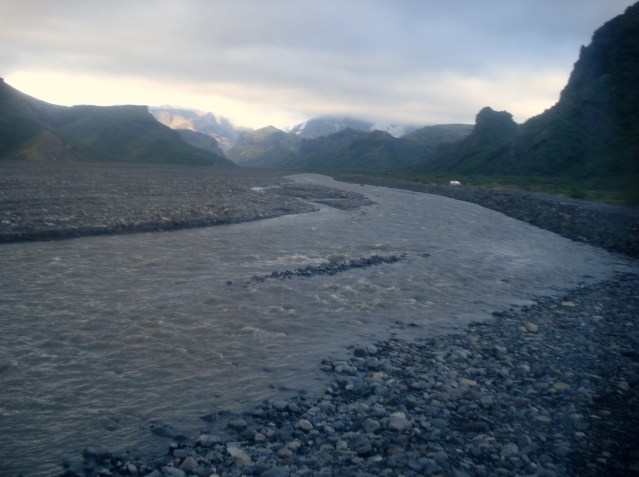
<point x="613" y="227"/>
<point x="548" y="390"/>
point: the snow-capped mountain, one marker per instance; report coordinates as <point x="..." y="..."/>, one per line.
<point x="325" y="125"/>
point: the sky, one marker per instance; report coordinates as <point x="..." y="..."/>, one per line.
<point x="281" y="62"/>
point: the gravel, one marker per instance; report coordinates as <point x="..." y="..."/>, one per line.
<point x="549" y="390"/>
<point x="61" y="201"/>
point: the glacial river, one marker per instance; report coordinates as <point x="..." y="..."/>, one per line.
<point x="104" y="336"/>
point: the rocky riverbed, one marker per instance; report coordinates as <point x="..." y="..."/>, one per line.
<point x="549" y="389"/>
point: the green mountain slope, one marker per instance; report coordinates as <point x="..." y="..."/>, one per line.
<point x="265" y="147"/>
<point x="31" y="129"/>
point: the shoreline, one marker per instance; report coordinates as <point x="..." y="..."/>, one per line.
<point x="612" y="227"/>
<point x="548" y="390"/>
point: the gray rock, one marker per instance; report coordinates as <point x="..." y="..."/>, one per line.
<point x="189" y="465"/>
<point x="240" y="457"/>
<point x="371" y="425"/>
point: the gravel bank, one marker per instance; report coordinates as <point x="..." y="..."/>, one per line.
<point x="615" y="228"/>
<point x="549" y="390"/>
<point x="49" y="202"/>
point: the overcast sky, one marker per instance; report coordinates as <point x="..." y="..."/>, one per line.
<point x="279" y="62"/>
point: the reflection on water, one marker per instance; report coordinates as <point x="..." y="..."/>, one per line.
<point x="103" y="335"/>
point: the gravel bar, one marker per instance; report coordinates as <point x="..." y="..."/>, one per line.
<point x="61" y="201"/>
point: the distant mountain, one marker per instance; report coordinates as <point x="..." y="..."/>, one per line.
<point x="201" y="141"/>
<point x="439" y="134"/>
<point x="326" y="125"/>
<point x="347" y="149"/>
<point x="31" y="129"/>
<point x="218" y="127"/>
<point x="265" y="147"/>
<point x="591" y="134"/>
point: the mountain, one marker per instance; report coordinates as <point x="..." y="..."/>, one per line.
<point x="265" y="147"/>
<point x="31" y="129"/>
<point x="591" y="134"/>
<point x="439" y="134"/>
<point x="218" y="127"/>
<point x="201" y="141"/>
<point x="326" y="125"/>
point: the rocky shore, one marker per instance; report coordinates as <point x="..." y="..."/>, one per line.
<point x="548" y="390"/>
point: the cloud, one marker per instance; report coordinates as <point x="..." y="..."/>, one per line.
<point x="403" y="60"/>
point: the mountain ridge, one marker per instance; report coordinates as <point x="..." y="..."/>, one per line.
<point x="31" y="129"/>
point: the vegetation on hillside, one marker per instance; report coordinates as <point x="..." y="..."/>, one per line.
<point x="31" y="129"/>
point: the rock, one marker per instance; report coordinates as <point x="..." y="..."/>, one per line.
<point x="509" y="450"/>
<point x="189" y="465"/>
<point x="206" y="440"/>
<point x="238" y="424"/>
<point x="371" y="426"/>
<point x="276" y="472"/>
<point x="398" y="422"/>
<point x="304" y="425"/>
<point x="172" y="472"/>
<point x="279" y="404"/>
<point x="240" y="458"/>
<point x="531" y="327"/>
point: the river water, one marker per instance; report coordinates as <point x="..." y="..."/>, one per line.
<point x="104" y="336"/>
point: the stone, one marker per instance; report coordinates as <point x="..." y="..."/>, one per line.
<point x="371" y="425"/>
<point x="276" y="472"/>
<point x="279" y="404"/>
<point x="172" y="472"/>
<point x="207" y="440"/>
<point x="130" y="469"/>
<point x="304" y="425"/>
<point x="531" y="327"/>
<point x="240" y="458"/>
<point x="509" y="450"/>
<point x="189" y="465"/>
<point x="238" y="424"/>
<point x="398" y="422"/>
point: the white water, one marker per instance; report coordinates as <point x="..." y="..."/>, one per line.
<point x="102" y="336"/>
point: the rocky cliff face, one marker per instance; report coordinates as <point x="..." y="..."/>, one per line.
<point x="592" y="132"/>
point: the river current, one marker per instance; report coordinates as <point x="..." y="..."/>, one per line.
<point x="102" y="337"/>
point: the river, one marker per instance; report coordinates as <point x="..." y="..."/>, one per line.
<point x="102" y="337"/>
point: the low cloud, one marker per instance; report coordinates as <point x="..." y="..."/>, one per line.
<point x="407" y="61"/>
